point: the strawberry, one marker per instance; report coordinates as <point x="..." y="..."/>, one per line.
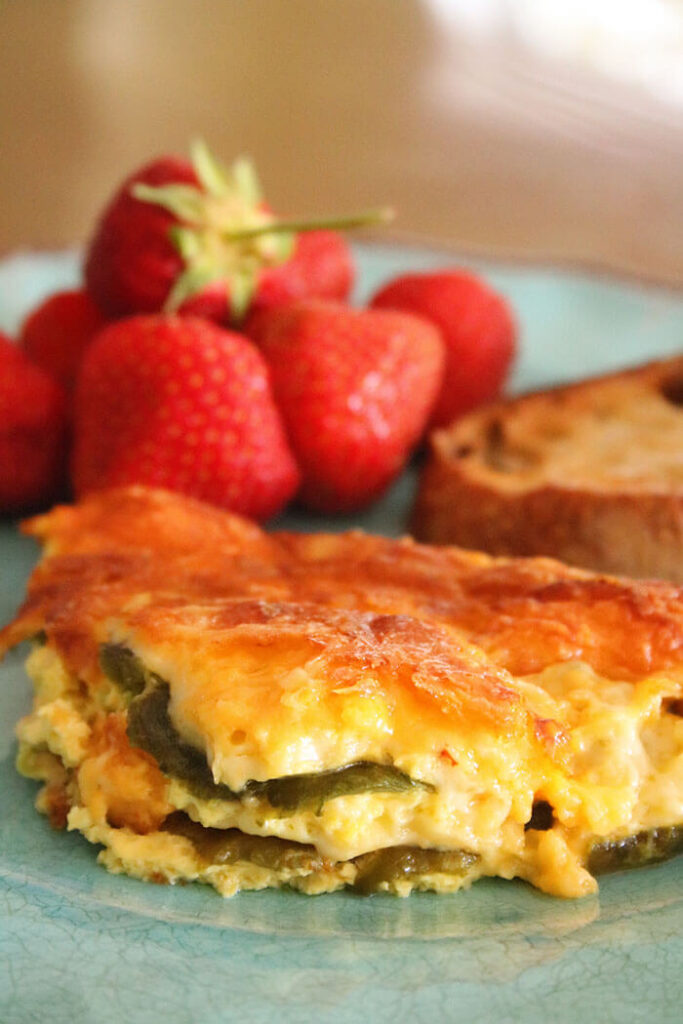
<point x="194" y="237"/>
<point x="181" y="403"/>
<point x="321" y="267"/>
<point x="131" y="263"/>
<point x="355" y="388"/>
<point x="33" y="433"/>
<point x="55" y="334"/>
<point x="478" y="331"/>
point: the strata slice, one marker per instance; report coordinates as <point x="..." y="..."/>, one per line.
<point x="215" y="703"/>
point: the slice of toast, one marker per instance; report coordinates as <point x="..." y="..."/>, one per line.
<point x="591" y="474"/>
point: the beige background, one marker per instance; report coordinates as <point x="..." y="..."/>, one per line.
<point x="343" y="104"/>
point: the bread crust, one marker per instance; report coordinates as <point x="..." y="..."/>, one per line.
<point x="591" y="474"/>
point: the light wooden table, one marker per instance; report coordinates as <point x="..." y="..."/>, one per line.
<point x="343" y="104"/>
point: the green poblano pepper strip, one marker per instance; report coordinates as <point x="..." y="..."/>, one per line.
<point x="396" y="863"/>
<point x="227" y="846"/>
<point x="634" y="851"/>
<point x="303" y="792"/>
<point x="123" y="667"/>
<point x="150" y="728"/>
<point x="399" y="863"/>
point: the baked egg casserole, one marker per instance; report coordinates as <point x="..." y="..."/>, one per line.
<point x="220" y="704"/>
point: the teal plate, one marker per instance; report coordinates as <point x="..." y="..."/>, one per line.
<point x="79" y="945"/>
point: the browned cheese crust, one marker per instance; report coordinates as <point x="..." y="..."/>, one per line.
<point x="498" y="687"/>
<point x="349" y="588"/>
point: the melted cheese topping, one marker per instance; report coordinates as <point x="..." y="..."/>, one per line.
<point x="502" y="684"/>
<point x="624" y="773"/>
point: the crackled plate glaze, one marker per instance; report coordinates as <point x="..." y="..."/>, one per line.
<point x="79" y="945"/>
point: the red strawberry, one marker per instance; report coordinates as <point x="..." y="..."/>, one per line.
<point x="179" y="402"/>
<point x="33" y="433"/>
<point x="55" y="334"/>
<point x="132" y="263"/>
<point x="320" y="267"/>
<point x="355" y="388"/>
<point x="195" y="237"/>
<point x="477" y="327"/>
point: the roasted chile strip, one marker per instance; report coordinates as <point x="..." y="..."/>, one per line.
<point x="122" y="667"/>
<point x="150" y="727"/>
<point x="399" y="863"/>
<point x="301" y="792"/>
<point x="633" y="851"/>
<point x="227" y="846"/>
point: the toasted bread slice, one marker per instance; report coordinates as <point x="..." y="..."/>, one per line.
<point x="318" y="711"/>
<point x="591" y="474"/>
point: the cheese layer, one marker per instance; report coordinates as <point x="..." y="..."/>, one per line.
<point x="533" y="709"/>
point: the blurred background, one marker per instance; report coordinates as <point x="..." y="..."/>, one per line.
<point x="533" y="129"/>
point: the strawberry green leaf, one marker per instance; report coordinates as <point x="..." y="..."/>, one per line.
<point x="282" y="246"/>
<point x="184" y="201"/>
<point x="222" y="231"/>
<point x="186" y="241"/>
<point x="246" y="181"/>
<point x="214" y="177"/>
<point x="189" y="283"/>
<point x="268" y="248"/>
<point x="242" y="288"/>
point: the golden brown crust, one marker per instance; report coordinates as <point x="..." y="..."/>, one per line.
<point x="182" y="554"/>
<point x="492" y="684"/>
<point x="591" y="474"/>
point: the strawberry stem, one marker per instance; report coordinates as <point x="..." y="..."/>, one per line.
<point x="222" y="232"/>
<point x="359" y="220"/>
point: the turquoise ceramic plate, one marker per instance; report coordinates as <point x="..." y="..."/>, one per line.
<point x="79" y="945"/>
